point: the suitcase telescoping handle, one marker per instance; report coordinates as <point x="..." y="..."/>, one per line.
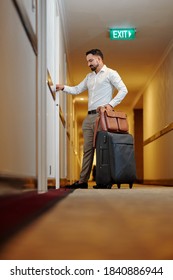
<point x="102" y="161"/>
<point x="95" y="131"/>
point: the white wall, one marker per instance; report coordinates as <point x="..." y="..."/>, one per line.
<point x="51" y="105"/>
<point x="67" y="153"/>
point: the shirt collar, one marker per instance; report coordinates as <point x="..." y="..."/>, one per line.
<point x="103" y="69"/>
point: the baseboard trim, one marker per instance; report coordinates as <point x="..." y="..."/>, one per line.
<point x="160" y="182"/>
<point x="64" y="182"/>
<point x="51" y="182"/>
<point x="18" y="182"/>
<point x="21" y="183"/>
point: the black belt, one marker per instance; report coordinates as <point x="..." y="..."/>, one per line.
<point x="92" y="112"/>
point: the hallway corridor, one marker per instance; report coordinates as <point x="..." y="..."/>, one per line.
<point x="44" y="44"/>
<point x="100" y="224"/>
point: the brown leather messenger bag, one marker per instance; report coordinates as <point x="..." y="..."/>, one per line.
<point x="111" y="121"/>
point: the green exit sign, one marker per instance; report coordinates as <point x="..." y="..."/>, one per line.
<point x="122" y="33"/>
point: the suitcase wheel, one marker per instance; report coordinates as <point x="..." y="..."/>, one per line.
<point x="130" y="185"/>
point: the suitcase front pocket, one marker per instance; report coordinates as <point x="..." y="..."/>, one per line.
<point x="103" y="171"/>
<point x="122" y="161"/>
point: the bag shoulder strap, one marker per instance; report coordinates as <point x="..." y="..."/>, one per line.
<point x="100" y="119"/>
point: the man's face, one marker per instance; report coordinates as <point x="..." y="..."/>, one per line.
<point x="93" y="61"/>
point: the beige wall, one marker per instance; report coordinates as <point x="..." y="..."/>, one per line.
<point x="17" y="96"/>
<point x="18" y="100"/>
<point x="158" y="113"/>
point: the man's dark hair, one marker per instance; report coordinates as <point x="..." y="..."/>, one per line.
<point x="95" y="52"/>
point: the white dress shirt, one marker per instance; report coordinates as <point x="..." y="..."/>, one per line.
<point x="100" y="88"/>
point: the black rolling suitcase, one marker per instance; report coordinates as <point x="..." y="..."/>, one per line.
<point x="115" y="160"/>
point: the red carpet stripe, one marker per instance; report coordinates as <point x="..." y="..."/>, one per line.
<point x="18" y="210"/>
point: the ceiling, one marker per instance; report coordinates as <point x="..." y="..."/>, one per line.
<point x="86" y="26"/>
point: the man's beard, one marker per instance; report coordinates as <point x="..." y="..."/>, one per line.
<point x="93" y="68"/>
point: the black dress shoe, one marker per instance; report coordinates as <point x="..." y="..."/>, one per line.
<point x="77" y="185"/>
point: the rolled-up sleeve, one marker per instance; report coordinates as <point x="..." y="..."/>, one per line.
<point x="117" y="82"/>
<point x="76" y="89"/>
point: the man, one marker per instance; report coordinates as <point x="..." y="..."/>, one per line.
<point x="100" y="85"/>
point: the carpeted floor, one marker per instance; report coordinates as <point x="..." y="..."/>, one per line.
<point x="20" y="208"/>
<point x="100" y="225"/>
